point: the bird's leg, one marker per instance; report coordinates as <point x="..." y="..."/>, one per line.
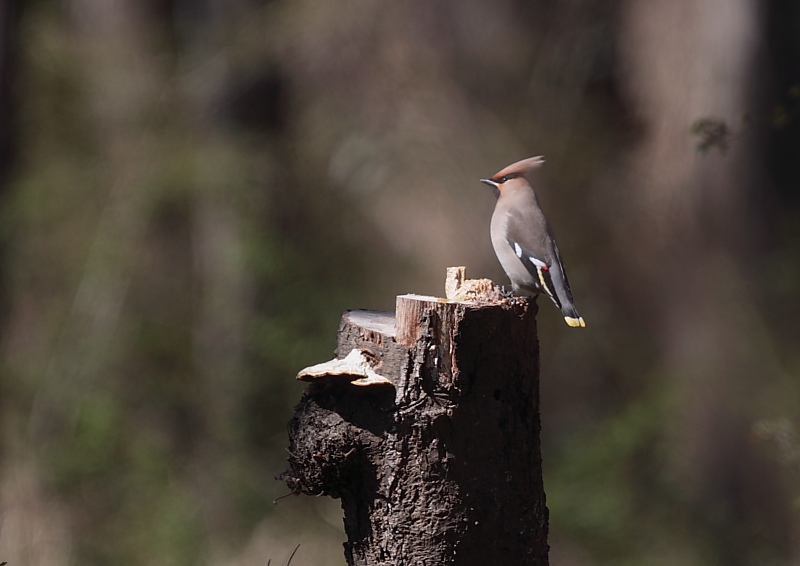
<point x="506" y="293"/>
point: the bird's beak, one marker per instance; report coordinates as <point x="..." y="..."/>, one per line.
<point x="489" y="182"/>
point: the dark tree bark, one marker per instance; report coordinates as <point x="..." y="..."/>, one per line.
<point x="442" y="465"/>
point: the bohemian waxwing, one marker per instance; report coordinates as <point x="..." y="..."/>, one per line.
<point x="523" y="240"/>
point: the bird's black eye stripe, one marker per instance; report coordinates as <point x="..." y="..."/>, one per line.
<point x="508" y="177"/>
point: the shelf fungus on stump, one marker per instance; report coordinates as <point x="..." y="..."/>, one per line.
<point x="355" y="368"/>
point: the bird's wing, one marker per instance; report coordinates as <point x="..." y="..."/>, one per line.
<point x="538" y="252"/>
<point x="528" y="228"/>
<point x="537" y="268"/>
<point x="562" y="272"/>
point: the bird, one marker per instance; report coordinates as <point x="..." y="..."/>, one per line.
<point x="524" y="242"/>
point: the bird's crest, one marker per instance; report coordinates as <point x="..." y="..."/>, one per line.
<point x="520" y="167"/>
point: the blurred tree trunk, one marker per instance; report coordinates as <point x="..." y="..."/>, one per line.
<point x="688" y="237"/>
<point x="26" y="513"/>
<point x="222" y="300"/>
<point x="9" y="22"/>
<point x="9" y="50"/>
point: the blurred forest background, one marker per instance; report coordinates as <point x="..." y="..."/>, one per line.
<point x="193" y="190"/>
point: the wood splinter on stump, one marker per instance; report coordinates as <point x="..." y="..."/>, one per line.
<point x="426" y="426"/>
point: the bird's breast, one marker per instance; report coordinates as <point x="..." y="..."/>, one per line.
<point x="512" y="265"/>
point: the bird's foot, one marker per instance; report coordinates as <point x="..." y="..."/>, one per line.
<point x="506" y="293"/>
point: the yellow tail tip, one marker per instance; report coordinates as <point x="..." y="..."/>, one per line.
<point x="575" y="322"/>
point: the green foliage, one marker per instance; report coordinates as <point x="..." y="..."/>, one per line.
<point x="713" y="133"/>
<point x="198" y="194"/>
<point x="716" y="134"/>
<point x="617" y="456"/>
<point x="158" y="267"/>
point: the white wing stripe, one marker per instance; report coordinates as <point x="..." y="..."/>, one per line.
<point x="537" y="262"/>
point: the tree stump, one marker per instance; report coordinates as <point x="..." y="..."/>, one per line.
<point x="426" y="425"/>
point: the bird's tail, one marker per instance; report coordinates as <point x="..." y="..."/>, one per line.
<point x="571" y="315"/>
<point x="564" y="293"/>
